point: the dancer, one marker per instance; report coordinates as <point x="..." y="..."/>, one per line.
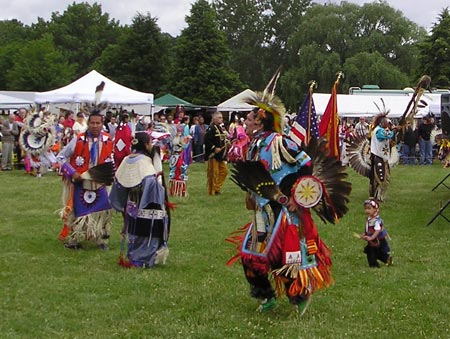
<point x="87" y="213"/>
<point x="282" y="183"/>
<point x="139" y="193"/>
<point x="380" y="151"/>
<point x="377" y="247"/>
<point x="36" y="140"/>
<point x="216" y="149"/>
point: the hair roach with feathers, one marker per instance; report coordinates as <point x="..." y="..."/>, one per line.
<point x="97" y="106"/>
<point x="271" y="107"/>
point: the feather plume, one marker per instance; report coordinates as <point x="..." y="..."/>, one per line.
<point x="98" y="92"/>
<point x="333" y="175"/>
<point x="97" y="105"/>
<point x="101" y="174"/>
<point x="411" y="108"/>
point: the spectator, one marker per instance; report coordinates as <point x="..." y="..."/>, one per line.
<point x="69" y="119"/>
<point x="216" y="149"/>
<point x="80" y="125"/>
<point x="9" y="131"/>
<point x="362" y="127"/>
<point x="425" y="144"/>
<point x="199" y="139"/>
<point x="409" y="145"/>
<point x="112" y="125"/>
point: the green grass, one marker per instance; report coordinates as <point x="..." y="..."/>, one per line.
<point x="47" y="291"/>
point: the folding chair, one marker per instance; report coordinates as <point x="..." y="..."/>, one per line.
<point x="439" y="213"/>
<point x="442" y="182"/>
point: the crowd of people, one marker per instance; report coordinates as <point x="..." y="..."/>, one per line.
<point x="416" y="144"/>
<point x="114" y="162"/>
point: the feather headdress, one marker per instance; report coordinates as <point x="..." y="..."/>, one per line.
<point x="269" y="103"/>
<point x="97" y="106"/>
<point x="380" y="116"/>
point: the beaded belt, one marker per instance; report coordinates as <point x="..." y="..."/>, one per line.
<point x="151" y="214"/>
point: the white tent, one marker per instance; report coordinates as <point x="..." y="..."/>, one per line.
<point x="366" y="105"/>
<point x="83" y="90"/>
<point x="10" y="102"/>
<point x="236" y="103"/>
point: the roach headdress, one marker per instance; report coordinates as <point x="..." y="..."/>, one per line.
<point x="271" y="109"/>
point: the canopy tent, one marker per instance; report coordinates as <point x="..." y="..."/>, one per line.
<point x="170" y="100"/>
<point x="83" y="90"/>
<point x="237" y="103"/>
<point x="366" y="105"/>
<point x="10" y="102"/>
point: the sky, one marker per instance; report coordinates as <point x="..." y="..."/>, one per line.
<point x="171" y="13"/>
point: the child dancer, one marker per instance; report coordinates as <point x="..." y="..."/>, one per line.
<point x="377" y="247"/>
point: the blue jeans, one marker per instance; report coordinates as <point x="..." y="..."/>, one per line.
<point x="426" y="152"/>
<point x="409" y="154"/>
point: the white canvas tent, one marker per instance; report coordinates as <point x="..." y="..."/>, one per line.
<point x="236" y="103"/>
<point x="10" y="102"/>
<point x="366" y="105"/>
<point x="83" y="90"/>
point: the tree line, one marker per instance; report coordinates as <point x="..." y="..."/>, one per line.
<point x="227" y="46"/>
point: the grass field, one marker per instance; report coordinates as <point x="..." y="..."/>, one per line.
<point x="51" y="292"/>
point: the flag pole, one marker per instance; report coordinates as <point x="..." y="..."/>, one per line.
<point x="312" y="86"/>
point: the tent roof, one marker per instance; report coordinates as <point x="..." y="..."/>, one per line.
<point x="236" y="103"/>
<point x="7" y="102"/>
<point x="365" y="105"/>
<point x="172" y="100"/>
<point x="83" y="90"/>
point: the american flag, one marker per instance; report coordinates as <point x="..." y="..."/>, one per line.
<point x="305" y="124"/>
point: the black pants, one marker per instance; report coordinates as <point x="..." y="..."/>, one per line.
<point x="380" y="252"/>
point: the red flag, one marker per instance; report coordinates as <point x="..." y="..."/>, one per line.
<point x="329" y="124"/>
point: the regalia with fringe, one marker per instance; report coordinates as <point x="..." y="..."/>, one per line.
<point x="139" y="193"/>
<point x="87" y="213"/>
<point x="367" y="161"/>
<point x="277" y="171"/>
<point x="179" y="164"/>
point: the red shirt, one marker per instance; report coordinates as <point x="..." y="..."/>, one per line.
<point x="68" y="123"/>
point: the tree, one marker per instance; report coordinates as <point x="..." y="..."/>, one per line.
<point x="242" y="23"/>
<point x="82" y="32"/>
<point x="7" y="57"/>
<point x="372" y="68"/>
<point x="140" y="59"/>
<point x="39" y="66"/>
<point x="315" y="65"/>
<point x="435" y="52"/>
<point x="202" y="74"/>
<point x="330" y="35"/>
<point x="13" y="34"/>
<point x="282" y="19"/>
<point x="12" y="31"/>
<point x="258" y="32"/>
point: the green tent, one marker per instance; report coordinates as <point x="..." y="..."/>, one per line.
<point x="169" y="100"/>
